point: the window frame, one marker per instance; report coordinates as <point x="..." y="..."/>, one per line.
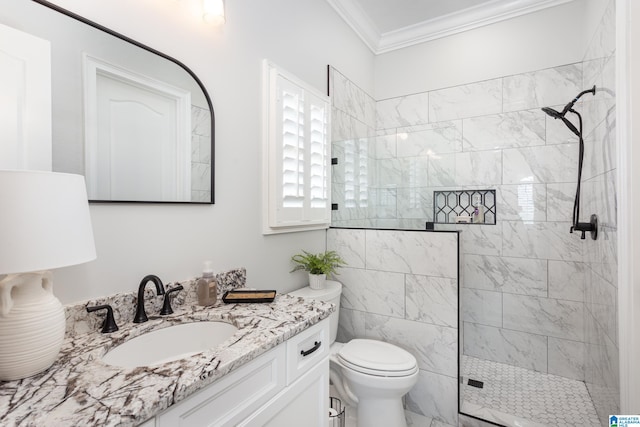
<point x="276" y="217"/>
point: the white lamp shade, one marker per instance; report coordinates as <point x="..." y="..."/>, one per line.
<point x="44" y="221"/>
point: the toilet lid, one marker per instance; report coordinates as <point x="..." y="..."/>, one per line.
<point x="377" y="358"/>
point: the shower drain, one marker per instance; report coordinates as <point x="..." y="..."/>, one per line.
<point x="475" y="383"/>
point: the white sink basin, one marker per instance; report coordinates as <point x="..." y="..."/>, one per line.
<point x="172" y="343"/>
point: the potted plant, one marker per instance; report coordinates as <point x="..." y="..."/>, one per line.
<point x="318" y="266"/>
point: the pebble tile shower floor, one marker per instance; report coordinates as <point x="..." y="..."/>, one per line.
<point x="542" y="398"/>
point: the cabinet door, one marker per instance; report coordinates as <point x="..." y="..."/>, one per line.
<point x="233" y="397"/>
<point x="303" y="403"/>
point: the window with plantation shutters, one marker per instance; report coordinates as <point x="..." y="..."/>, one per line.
<point x="296" y="154"/>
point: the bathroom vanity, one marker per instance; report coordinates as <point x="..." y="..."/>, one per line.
<point x="273" y="371"/>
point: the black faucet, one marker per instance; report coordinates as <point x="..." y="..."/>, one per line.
<point x="166" y="305"/>
<point x="109" y="324"/>
<point x="141" y="315"/>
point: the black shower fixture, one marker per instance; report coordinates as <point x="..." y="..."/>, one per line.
<point x="592" y="225"/>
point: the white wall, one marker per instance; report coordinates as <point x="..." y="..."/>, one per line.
<point x="173" y="240"/>
<point x="543" y="39"/>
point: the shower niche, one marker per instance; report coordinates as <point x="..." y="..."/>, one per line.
<point x="464" y="207"/>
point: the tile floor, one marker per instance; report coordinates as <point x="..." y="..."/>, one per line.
<point x="517" y="396"/>
<point x="413" y="419"/>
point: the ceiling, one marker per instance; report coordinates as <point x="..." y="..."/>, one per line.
<point x="386" y="25"/>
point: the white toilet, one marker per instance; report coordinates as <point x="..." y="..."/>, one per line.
<point x="372" y="375"/>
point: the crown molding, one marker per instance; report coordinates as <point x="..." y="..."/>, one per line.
<point x="443" y="26"/>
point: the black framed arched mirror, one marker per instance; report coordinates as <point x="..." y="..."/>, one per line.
<point x="138" y="124"/>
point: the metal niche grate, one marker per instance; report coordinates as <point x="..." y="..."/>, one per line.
<point x="447" y="205"/>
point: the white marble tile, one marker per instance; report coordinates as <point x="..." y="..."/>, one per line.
<point x="373" y="291"/>
<point x="414" y="171"/>
<point x="347" y="196"/>
<point x="383" y="203"/>
<point x="599" y="195"/>
<point x="557" y="132"/>
<point x="542" y="88"/>
<point x="522" y="202"/>
<point x="481" y="239"/>
<point x="508" y="130"/>
<point x="481" y="307"/>
<point x="501" y="345"/>
<point x="432" y="300"/>
<point x="479" y="168"/>
<point x="384" y="147"/>
<point x="417" y="420"/>
<point x="435" y="396"/>
<point x="600" y="149"/>
<point x="445" y="138"/>
<point x="415" y="202"/>
<point x="442" y="170"/>
<point x="551" y="163"/>
<point x="403" y="111"/>
<point x="340" y="125"/>
<point x="601" y="357"/>
<point x="337" y="171"/>
<point x="601" y="301"/>
<point x="434" y="347"/>
<point x="200" y="121"/>
<point x="521" y="276"/>
<point x="566" y="280"/>
<point x="349" y="244"/>
<point x="603" y="43"/>
<point x="429" y="254"/>
<point x="195" y="148"/>
<point x="350" y="324"/>
<point x="600" y="73"/>
<point x="200" y="176"/>
<point x="437" y="423"/>
<point x="560" y="199"/>
<point x="566" y="358"/>
<point x="348" y="97"/>
<point x="205" y="149"/>
<point x="404" y="172"/>
<point x="541" y="240"/>
<point x="475" y="99"/>
<point x="544" y="316"/>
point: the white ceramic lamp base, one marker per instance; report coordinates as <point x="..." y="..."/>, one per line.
<point x="32" y="325"/>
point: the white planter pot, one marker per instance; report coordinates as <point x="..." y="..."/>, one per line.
<point x="317" y="281"/>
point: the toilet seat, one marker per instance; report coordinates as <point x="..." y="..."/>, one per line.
<point x="377" y="358"/>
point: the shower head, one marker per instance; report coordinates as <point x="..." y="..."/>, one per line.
<point x="553" y="113"/>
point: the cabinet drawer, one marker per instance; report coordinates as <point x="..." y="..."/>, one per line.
<point x="233" y="397"/>
<point x="306" y="349"/>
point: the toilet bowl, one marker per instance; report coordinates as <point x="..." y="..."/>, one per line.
<point x="369" y="374"/>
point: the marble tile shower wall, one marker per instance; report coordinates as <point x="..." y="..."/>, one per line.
<point x="200" y="155"/>
<point x="402" y="287"/>
<point x="599" y="189"/>
<point x="353" y="124"/>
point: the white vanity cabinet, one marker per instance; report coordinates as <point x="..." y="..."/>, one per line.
<point x="286" y="386"/>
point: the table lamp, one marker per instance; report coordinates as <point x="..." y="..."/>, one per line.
<point x="44" y="224"/>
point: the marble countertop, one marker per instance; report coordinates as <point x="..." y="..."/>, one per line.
<point x="81" y="390"/>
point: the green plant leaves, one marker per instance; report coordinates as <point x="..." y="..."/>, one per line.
<point x="322" y="263"/>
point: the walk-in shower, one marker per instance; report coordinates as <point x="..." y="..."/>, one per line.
<point x="522" y="307"/>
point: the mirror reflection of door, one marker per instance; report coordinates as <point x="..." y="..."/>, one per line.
<point x="138" y="136"/>
<point x="25" y="100"/>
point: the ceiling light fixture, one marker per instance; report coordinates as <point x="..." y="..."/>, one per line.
<point x="213" y="11"/>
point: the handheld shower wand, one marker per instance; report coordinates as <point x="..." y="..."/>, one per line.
<point x="592" y="225"/>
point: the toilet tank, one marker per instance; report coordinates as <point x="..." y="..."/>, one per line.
<point x="330" y="293"/>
